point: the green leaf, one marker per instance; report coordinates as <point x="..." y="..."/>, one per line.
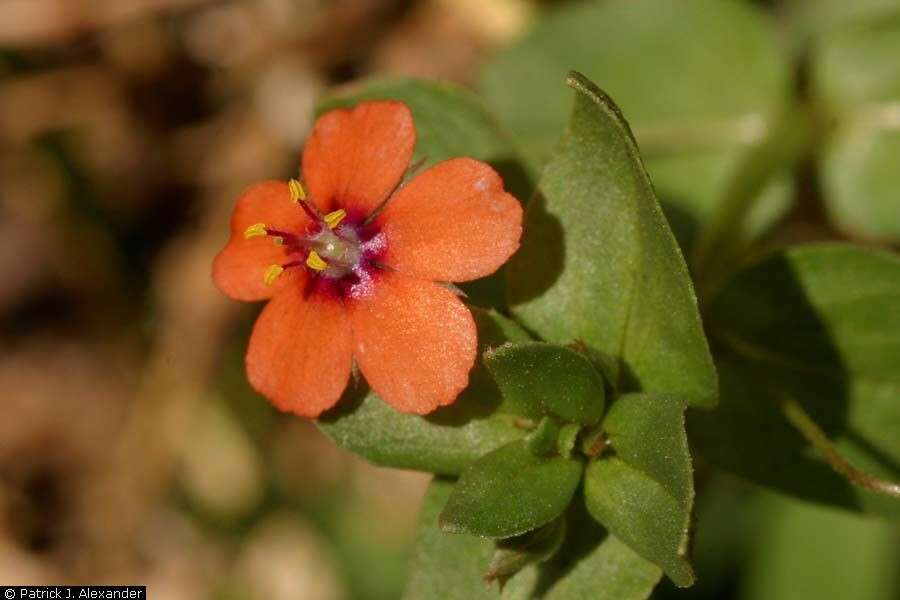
<point x="514" y="554"/>
<point x="591" y="564"/>
<point x="644" y="492"/>
<point x="445" y="566"/>
<point x="611" y="571"/>
<point x="542" y="378"/>
<point x="599" y="264"/>
<point x="443" y="442"/>
<point x="857" y="78"/>
<point x="450" y="122"/>
<point x="542" y="441"/>
<point x="510" y="492"/>
<point x="568" y="436"/>
<point x="820" y="324"/>
<point x="655" y="58"/>
<point x="608" y="365"/>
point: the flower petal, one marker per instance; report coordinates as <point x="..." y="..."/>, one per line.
<point x="300" y="352"/>
<point x="355" y="158"/>
<point x="414" y="341"/>
<point x="453" y="222"/>
<point x="238" y="270"/>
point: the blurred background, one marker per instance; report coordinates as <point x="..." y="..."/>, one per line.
<point x="131" y="449"/>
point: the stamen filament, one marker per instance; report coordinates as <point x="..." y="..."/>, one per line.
<point x="284" y="237"/>
<point x="298" y="196"/>
<point x="311" y="212"/>
<point x="279" y="233"/>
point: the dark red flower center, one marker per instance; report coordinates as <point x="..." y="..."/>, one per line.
<point x="339" y="251"/>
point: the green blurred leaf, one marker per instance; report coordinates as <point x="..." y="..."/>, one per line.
<point x="820" y="324"/>
<point x="810" y="18"/>
<point x="510" y="492"/>
<point x="671" y="67"/>
<point x="599" y="264"/>
<point x="450" y="122"/>
<point x="805" y="552"/>
<point x="443" y="442"/>
<point x="861" y="179"/>
<point x="544" y="378"/>
<point x="857" y="77"/>
<point x="644" y="492"/>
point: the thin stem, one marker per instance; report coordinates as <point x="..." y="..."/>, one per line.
<point x="311" y="210"/>
<point x="593" y="442"/>
<point x="410" y="173"/>
<point x="286" y="236"/>
<point x="722" y="237"/>
<point x="813" y="434"/>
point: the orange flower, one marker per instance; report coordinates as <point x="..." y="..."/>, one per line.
<point x="350" y="268"/>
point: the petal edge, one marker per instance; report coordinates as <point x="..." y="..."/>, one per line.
<point x="454" y="222"/>
<point x="300" y="352"/>
<point x="357" y="157"/>
<point x="239" y="267"/>
<point x="415" y="343"/>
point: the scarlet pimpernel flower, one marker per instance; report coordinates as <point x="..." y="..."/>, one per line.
<point x="352" y="262"/>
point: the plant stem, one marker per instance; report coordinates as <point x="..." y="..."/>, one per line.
<point x="593" y="442"/>
<point x="813" y="434"/>
<point x="721" y="238"/>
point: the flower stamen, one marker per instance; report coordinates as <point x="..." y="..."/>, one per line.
<point x="334" y="218"/>
<point x="299" y="196"/>
<point x="281" y="237"/>
<point x="330" y="248"/>
<point x="255" y="230"/>
<point x="315" y="262"/>
<point x="272" y="273"/>
<point x="278" y="237"/>
<point x="297" y="192"/>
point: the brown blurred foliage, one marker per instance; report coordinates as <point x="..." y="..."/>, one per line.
<point x="127" y="129"/>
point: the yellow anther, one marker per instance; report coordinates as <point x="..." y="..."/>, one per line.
<point x="315" y="262"/>
<point x="297" y="191"/>
<point x="278" y="240"/>
<point x="255" y="230"/>
<point x="334" y="218"/>
<point x="272" y="274"/>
